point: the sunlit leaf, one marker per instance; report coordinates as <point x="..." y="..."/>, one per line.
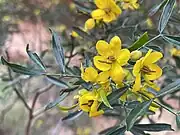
<point x="140" y="42"/>
<point x="35" y="58"/>
<point x="154" y="127"/>
<point x="65" y="108"/>
<point x="57" y="101"/>
<point x="21" y="69"/>
<point x="58" y="51"/>
<point x="169" y="88"/>
<point x="175" y="40"/>
<point x="167" y="11"/>
<point x="139" y="110"/>
<point x="72" y="116"/>
<point x="104" y="98"/>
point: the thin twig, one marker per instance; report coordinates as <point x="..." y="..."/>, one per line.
<point x="31" y="111"/>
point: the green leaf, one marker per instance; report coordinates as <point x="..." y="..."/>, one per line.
<point x="140" y="42"/>
<point x="35" y="58"/>
<point x="172" y="39"/>
<point x="157" y="8"/>
<point x="83" y="34"/>
<point x="178" y="120"/>
<point x="136" y="131"/>
<point x="118" y="131"/>
<point x="72" y="116"/>
<point x="139" y="110"/>
<point x="58" y="51"/>
<point x="20" y="69"/>
<point x="155" y="48"/>
<point x="167" y="11"/>
<point x="108" y="130"/>
<point x="154" y="127"/>
<point x="114" y="96"/>
<point x="57" y="101"/>
<point x="104" y="98"/>
<point x="169" y="88"/>
<point x="57" y="82"/>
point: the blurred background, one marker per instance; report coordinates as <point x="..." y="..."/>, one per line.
<point x="25" y="22"/>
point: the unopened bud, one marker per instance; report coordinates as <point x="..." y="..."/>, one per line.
<point x="135" y="55"/>
<point x="89" y="24"/>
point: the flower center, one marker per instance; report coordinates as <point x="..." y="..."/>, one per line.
<point x="107" y="10"/>
<point x="89" y="104"/>
<point x="147" y="70"/>
<point x="111" y="58"/>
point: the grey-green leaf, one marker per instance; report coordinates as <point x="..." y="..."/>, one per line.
<point x="175" y="40"/>
<point x="72" y="116"/>
<point x="58" y="51"/>
<point x="169" y="88"/>
<point x="57" y="82"/>
<point x="178" y="120"/>
<point x="139" y="110"/>
<point x="140" y="42"/>
<point x="167" y="11"/>
<point x="57" y="101"/>
<point x="35" y="58"/>
<point x="154" y="127"/>
<point x="157" y="8"/>
<point x="21" y="69"/>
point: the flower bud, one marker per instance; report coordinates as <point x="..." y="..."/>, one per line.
<point x="89" y="24"/>
<point x="135" y="55"/>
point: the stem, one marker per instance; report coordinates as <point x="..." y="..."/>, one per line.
<point x="63" y="75"/>
<point x="154" y="38"/>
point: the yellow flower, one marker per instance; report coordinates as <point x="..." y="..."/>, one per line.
<point x="175" y="52"/>
<point x="130" y="4"/>
<point x="74" y="34"/>
<point x="90" y="74"/>
<point x="147" y="68"/>
<point x="111" y="58"/>
<point x="88" y="102"/>
<point x="107" y="10"/>
<point x="89" y="24"/>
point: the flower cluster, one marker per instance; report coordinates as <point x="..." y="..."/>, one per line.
<point x="111" y="67"/>
<point x="108" y="11"/>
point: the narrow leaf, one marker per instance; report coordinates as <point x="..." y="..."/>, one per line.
<point x="82" y="7"/>
<point x="155" y="48"/>
<point x="21" y="69"/>
<point x="104" y="98"/>
<point x="83" y="34"/>
<point x="175" y="40"/>
<point x="178" y="121"/>
<point x="169" y="88"/>
<point x="35" y="58"/>
<point x="57" y="101"/>
<point x="157" y="8"/>
<point x="117" y="131"/>
<point x="154" y="127"/>
<point x="167" y="11"/>
<point x="65" y="108"/>
<point x="140" y="42"/>
<point x="108" y="130"/>
<point x="137" y="131"/>
<point x="58" y="51"/>
<point x="139" y="110"/>
<point x="57" y="82"/>
<point x="73" y="115"/>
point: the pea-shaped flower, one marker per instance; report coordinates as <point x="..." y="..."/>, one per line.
<point x="111" y="58"/>
<point x="147" y="68"/>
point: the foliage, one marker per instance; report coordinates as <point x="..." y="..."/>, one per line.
<point x="114" y="73"/>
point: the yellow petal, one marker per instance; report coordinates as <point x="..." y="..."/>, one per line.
<point x="103" y="48"/>
<point x="102" y="4"/>
<point x="93" y="111"/>
<point x="95" y="114"/>
<point x="156" y="72"/>
<point x="137" y="67"/>
<point x="83" y="104"/>
<point x="137" y="84"/>
<point x="90" y="74"/>
<point x="102" y="63"/>
<point x="103" y="77"/>
<point x="117" y="74"/>
<point x="152" y="58"/>
<point x="98" y="14"/>
<point x="114" y="7"/>
<point x="115" y="44"/>
<point x="108" y="17"/>
<point x="123" y="56"/>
